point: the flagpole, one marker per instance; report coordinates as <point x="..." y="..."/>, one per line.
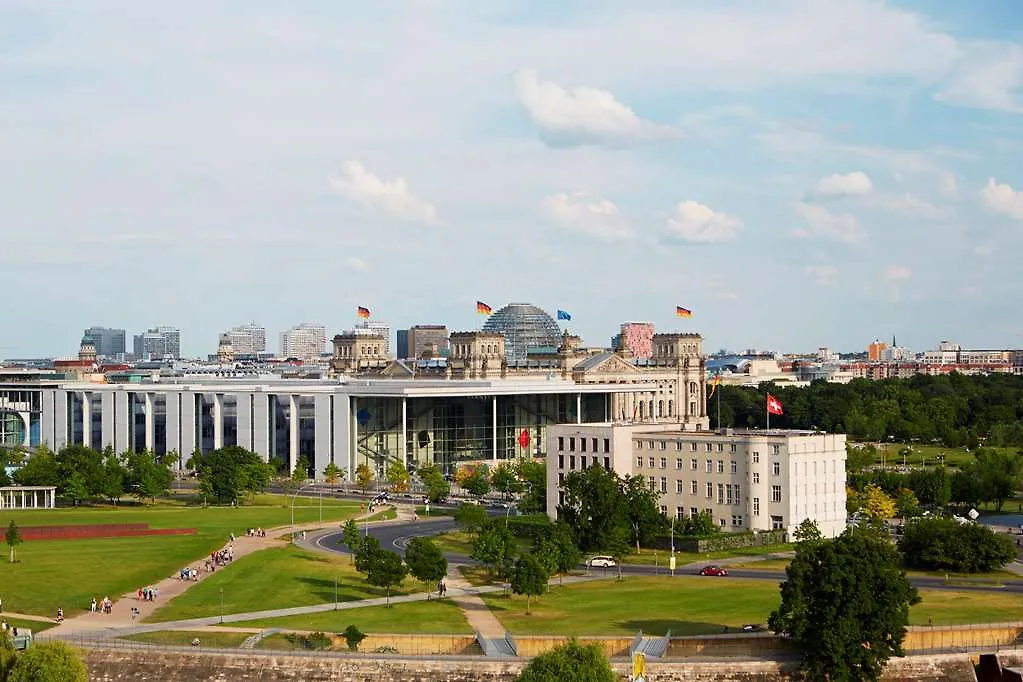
<point x="720" y="428"/>
<point x="768" y="406"/>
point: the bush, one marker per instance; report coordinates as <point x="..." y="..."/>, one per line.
<point x="353" y="637"/>
<point x="316" y="641"/>
<point x="942" y="544"/>
<point x="571" y="661"/>
<point x="531" y="527"/>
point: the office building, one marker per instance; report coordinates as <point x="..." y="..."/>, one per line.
<point x="402" y="347"/>
<point x="376" y="328"/>
<point x="428" y="341"/>
<point x="306" y="342"/>
<point x="248" y="339"/>
<point x="109" y="343"/>
<point x="150" y="345"/>
<point x="745" y="480"/>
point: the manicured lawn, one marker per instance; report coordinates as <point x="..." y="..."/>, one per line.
<point x="274" y="578"/>
<point x="941" y="607"/>
<point x="436" y="615"/>
<point x="207" y="638"/>
<point x="928" y="455"/>
<point x="35" y="626"/>
<point x="68" y="573"/>
<point x="460" y="542"/>
<point x="660" y="557"/>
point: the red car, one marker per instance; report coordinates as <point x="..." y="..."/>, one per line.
<point x="713" y="570"/>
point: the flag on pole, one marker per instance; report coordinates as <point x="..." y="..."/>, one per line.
<point x="562" y="315"/>
<point x="683" y="312"/>
<point x="714" y="385"/>
<point x="362" y="312"/>
<point x="773" y="405"/>
<point x="483" y="309"/>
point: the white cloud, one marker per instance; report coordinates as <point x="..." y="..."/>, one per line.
<point x="1003" y="199"/>
<point x="583" y="115"/>
<point x="949" y="186"/>
<point x="897" y="273"/>
<point x="356" y="264"/>
<point x="990" y="76"/>
<point x="822" y="275"/>
<point x="907" y="204"/>
<point x="693" y="222"/>
<point x="393" y="197"/>
<point x="838" y="185"/>
<point x="819" y="221"/>
<point x="597" y="217"/>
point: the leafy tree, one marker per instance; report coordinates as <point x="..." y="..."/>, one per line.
<point x="568" y="553"/>
<point x="494" y="547"/>
<point x="350" y="534"/>
<point x="594" y="506"/>
<point x="533" y="474"/>
<point x="476" y="480"/>
<point x="386" y="570"/>
<point x="398" y="477"/>
<point x="437" y="488"/>
<point x="942" y="544"/>
<point x="906" y="504"/>
<point x="505" y="481"/>
<point x="227" y="474"/>
<point x="364" y="476"/>
<point x="859" y="456"/>
<point x="113" y="477"/>
<point x="642" y="510"/>
<point x="808" y="531"/>
<point x="12" y="537"/>
<point x="425" y="561"/>
<point x="366" y="553"/>
<point x="39" y="469"/>
<point x="51" y="661"/>
<point x="301" y="472"/>
<point x="353" y="637"/>
<point x="332" y="473"/>
<point x="877" y="504"/>
<point x="699" y="525"/>
<point x="845" y="605"/>
<point x="147" y="476"/>
<point x="529" y="578"/>
<point x="471" y="517"/>
<point x="75" y="489"/>
<point x="86" y="463"/>
<point x="572" y="661"/>
<point x="1000" y="474"/>
<point x="932" y="486"/>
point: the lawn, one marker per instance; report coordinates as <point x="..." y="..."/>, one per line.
<point x="36" y="626"/>
<point x="921" y="455"/>
<point x="275" y="578"/>
<point x="207" y="638"/>
<point x="436" y="615"/>
<point x="690" y="605"/>
<point x="68" y="573"/>
<point x="660" y="556"/>
<point x="460" y="542"/>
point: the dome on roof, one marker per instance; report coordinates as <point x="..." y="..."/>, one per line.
<point x="87" y="341"/>
<point x="524" y="327"/>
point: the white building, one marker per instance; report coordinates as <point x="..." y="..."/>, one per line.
<point x="746" y="480"/>
<point x="306" y="341"/>
<point x="374" y="327"/>
<point x="247" y="339"/>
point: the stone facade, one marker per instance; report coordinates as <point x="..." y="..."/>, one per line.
<point x="359" y="353"/>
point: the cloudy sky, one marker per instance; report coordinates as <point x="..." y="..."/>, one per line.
<point x="797" y="172"/>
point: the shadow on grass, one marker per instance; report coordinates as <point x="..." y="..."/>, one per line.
<point x="660" y="626"/>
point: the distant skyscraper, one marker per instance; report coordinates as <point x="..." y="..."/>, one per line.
<point x="402" y="349"/>
<point x="109" y="342"/>
<point x="158" y="344"/>
<point x="306" y="341"/>
<point x="427" y="338"/>
<point x="375" y="327"/>
<point x="248" y="339"/>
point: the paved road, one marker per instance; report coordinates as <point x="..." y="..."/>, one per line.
<point x="396" y="536"/>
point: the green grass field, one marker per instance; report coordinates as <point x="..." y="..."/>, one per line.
<point x="68" y="573"/>
<point x="207" y="638"/>
<point x="33" y="625"/>
<point x="271" y="579"/>
<point x="660" y="557"/>
<point x="691" y="605"/>
<point x="926" y="455"/>
<point x="436" y="615"/>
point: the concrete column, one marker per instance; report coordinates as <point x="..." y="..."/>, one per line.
<point x="578" y="408"/>
<point x="107" y="426"/>
<point x="124" y="421"/>
<point x="86" y="420"/>
<point x="341" y="428"/>
<point x="150" y="423"/>
<point x="60" y="421"/>
<point x="47" y="396"/>
<point x="187" y="421"/>
<point x="404" y="430"/>
<point x="173" y="435"/>
<point x="323" y="430"/>
<point x="493" y="428"/>
<point x="293" y="415"/>
<point x="243" y="407"/>
<point x="261" y="425"/>
<point x="218" y="421"/>
<point x="353" y="450"/>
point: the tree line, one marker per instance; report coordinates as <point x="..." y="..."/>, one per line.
<point x="955" y="409"/>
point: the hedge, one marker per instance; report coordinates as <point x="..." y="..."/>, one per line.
<point x="721" y="541"/>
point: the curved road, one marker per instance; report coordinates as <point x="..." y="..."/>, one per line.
<point x="396" y="536"/>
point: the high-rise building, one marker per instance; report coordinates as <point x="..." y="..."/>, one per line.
<point x="306" y="341"/>
<point x="635" y="338"/>
<point x="158" y="344"/>
<point x="875" y="349"/>
<point x="248" y="339"/>
<point x="402" y="348"/>
<point x="374" y="327"/>
<point x="427" y="340"/>
<point x="109" y="342"/>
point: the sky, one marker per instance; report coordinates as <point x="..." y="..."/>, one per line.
<point x="797" y="173"/>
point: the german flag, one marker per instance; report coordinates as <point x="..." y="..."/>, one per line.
<point x="483" y="309"/>
<point x="683" y="312"/>
<point x="362" y="312"/>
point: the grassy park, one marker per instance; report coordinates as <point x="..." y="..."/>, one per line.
<point x="436" y="615"/>
<point x="925" y="455"/>
<point x="68" y="573"/>
<point x="207" y="638"/>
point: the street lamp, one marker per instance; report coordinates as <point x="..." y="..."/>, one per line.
<point x="221" y="605"/>
<point x="671" y="561"/>
<point x="293" y="498"/>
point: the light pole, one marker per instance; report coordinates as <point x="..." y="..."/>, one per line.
<point x="335" y="593"/>
<point x="293" y="498"/>
<point x="671" y="561"/>
<point x="221" y="605"/>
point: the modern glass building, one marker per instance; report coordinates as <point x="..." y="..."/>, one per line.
<point x="525" y="327"/>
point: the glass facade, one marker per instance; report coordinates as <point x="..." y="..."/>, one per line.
<point x="524" y="327"/>
<point x="20" y="414"/>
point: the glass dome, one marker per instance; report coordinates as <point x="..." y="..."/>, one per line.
<point x="524" y="327"/>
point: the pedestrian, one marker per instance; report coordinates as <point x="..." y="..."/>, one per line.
<point x="92" y="605"/>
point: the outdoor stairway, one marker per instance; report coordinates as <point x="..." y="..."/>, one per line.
<point x="651" y="647"/>
<point x="251" y="642"/>
<point x="497" y="647"/>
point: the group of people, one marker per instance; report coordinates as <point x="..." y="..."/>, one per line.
<point x="220" y="558"/>
<point x="188" y="573"/>
<point x="106" y="606"/>
<point x="256" y="533"/>
<point x="147" y="593"/>
<point x="442" y="588"/>
<point x="5" y="628"/>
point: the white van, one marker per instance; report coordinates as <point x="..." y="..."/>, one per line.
<point x="601" y="562"/>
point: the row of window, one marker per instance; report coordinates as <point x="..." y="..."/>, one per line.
<point x="727" y="493"/>
<point x="680" y="513"/>
<point x="594" y="442"/>
<point x="733" y="466"/>
<point x="695" y="447"/>
<point x="594" y="461"/>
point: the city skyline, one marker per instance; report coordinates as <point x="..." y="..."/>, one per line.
<point x="796" y="173"/>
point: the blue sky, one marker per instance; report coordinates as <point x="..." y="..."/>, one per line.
<point x="798" y="173"/>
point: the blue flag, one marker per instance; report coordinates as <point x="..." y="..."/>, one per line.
<point x="562" y="315"/>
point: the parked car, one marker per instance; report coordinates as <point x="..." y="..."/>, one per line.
<point x="381" y="497"/>
<point x="601" y="562"/>
<point x="713" y="570"/>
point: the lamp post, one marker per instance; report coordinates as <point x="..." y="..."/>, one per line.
<point x="671" y="561"/>
<point x="221" y="605"/>
<point x="293" y="498"/>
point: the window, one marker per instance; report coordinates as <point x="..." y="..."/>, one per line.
<point x="776" y="468"/>
<point x="733" y="448"/>
<point x="692" y="486"/>
<point x="728" y="492"/>
<point x="693" y="465"/>
<point x="595" y="445"/>
<point x="693" y="511"/>
<point x="561" y="461"/>
<point x="582" y="445"/>
<point x="756" y="458"/>
<point x="710" y="490"/>
<point x="756" y="477"/>
<point x="651" y="462"/>
<point x="571" y="462"/>
<point x="722" y="522"/>
<point x="652" y="483"/>
<point x="679" y="486"/>
<point x="710" y="447"/>
<point x="710" y="466"/>
<point x="680" y="513"/>
<point x="736" y="486"/>
<point x="721" y="466"/>
<point x="692" y="447"/>
<point x="692" y="407"/>
<point x="678" y="445"/>
<point x="775" y="493"/>
<point x="664" y="484"/>
<point x="607" y="462"/>
<point x="639" y="445"/>
<point x="721" y="493"/>
<point x="777" y="523"/>
<point x="735" y="467"/>
<point x="582" y="462"/>
<point x="650" y="444"/>
<point x="607" y="445"/>
<point x="678" y="463"/>
<point x="571" y="444"/>
<point x="639" y="462"/>
<point x="664" y="462"/>
<point x="775" y="449"/>
<point x="721" y="447"/>
<point x="756" y="506"/>
<point x="561" y="442"/>
<point x="561" y="478"/>
<point x="664" y="445"/>
<point x="664" y="510"/>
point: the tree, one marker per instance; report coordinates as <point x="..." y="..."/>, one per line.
<point x="1000" y="474"/>
<point x="437" y="488"/>
<point x="75" y="489"/>
<point x="366" y="553"/>
<point x="12" y="537"/>
<point x="49" y="662"/>
<point x="364" y="476"/>
<point x="301" y="472"/>
<point x="386" y="570"/>
<point x="475" y="480"/>
<point x="147" y="476"/>
<point x="845" y="605"/>
<point x="494" y="547"/>
<point x="877" y="504"/>
<point x="529" y="578"/>
<point x="571" y="661"/>
<point x="86" y="463"/>
<point x="932" y="486"/>
<point x="114" y="475"/>
<point x="808" y="531"/>
<point x="398" y="477"/>
<point x="350" y="534"/>
<point x="353" y="637"/>
<point x="39" y="469"/>
<point x="471" y="517"/>
<point x="642" y="510"/>
<point x="942" y="544"/>
<point x="533" y="475"/>
<point x="425" y="561"/>
<point x="557" y="551"/>
<point x="227" y="474"/>
<point x="594" y="506"/>
<point x="332" y="472"/>
<point x="505" y="481"/>
<point x="859" y="456"/>
<point x="906" y="504"/>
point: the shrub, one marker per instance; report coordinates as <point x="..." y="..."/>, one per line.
<point x="353" y="637"/>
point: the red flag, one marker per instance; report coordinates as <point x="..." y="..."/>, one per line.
<point x="773" y="405"/>
<point x="524" y="439"/>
